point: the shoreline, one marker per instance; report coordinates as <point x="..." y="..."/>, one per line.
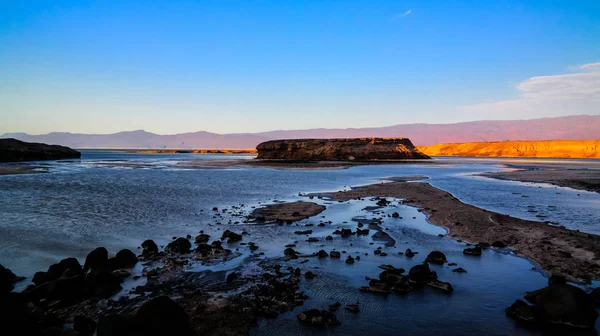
<point x="556" y="250"/>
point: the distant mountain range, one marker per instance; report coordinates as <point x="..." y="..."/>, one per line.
<point x="580" y="127"/>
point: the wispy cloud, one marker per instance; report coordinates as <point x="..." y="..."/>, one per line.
<point x="577" y="92"/>
<point x="400" y="16"/>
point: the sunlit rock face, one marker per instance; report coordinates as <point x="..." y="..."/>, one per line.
<point x="356" y="149"/>
<point x="542" y="149"/>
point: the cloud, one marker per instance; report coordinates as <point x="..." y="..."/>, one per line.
<point x="400" y="16"/>
<point x="575" y="93"/>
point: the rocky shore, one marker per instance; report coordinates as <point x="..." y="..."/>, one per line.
<point x="12" y="150"/>
<point x="557" y="250"/>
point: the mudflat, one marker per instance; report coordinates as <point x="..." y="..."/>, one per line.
<point x="582" y="179"/>
<point x="288" y="212"/>
<point x="556" y="250"/>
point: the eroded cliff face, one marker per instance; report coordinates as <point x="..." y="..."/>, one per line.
<point x="358" y="149"/>
<point x="12" y="150"/>
<point x="541" y="149"/>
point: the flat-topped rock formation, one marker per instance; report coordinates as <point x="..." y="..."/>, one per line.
<point x="541" y="149"/>
<point x="12" y="150"/>
<point x="357" y="149"/>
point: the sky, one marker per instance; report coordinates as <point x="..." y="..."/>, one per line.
<point x="229" y="66"/>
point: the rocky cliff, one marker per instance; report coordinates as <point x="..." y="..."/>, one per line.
<point x="12" y="150"/>
<point x="358" y="149"/>
<point x="541" y="149"/>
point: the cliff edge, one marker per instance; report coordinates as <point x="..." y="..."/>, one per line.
<point x="358" y="149"/>
<point x="541" y="149"/>
<point x="12" y="150"/>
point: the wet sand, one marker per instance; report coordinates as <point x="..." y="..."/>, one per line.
<point x="582" y="179"/>
<point x="17" y="170"/>
<point x="283" y="164"/>
<point x="556" y="250"/>
<point x="287" y="212"/>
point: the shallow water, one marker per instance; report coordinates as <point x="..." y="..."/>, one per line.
<point x="83" y="204"/>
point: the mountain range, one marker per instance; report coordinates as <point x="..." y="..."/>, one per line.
<point x="579" y="127"/>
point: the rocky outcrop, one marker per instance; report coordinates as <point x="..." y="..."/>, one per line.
<point x="542" y="149"/>
<point x="12" y="150"/>
<point x="358" y="149"/>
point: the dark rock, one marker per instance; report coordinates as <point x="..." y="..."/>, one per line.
<point x="97" y="259"/>
<point x="102" y="284"/>
<point x="364" y="232"/>
<point x="303" y="232"/>
<point x="329" y="238"/>
<point x="158" y="316"/>
<point x="7" y="280"/>
<point x="309" y="275"/>
<point x="395" y="215"/>
<point x="595" y="295"/>
<point x="335" y="306"/>
<point x="557" y="280"/>
<point x="349" y="260"/>
<point x="521" y="311"/>
<point x="83" y="325"/>
<point x="231" y="236"/>
<point x="498" y="244"/>
<point x="445" y="286"/>
<point x="421" y="274"/>
<point x="290" y="252"/>
<point x="202" y="238"/>
<point x="149" y="247"/>
<point x="312" y="240"/>
<point x="232" y="276"/>
<point x="322" y="254"/>
<point x="335" y="254"/>
<point x="409" y="253"/>
<point x="436" y="257"/>
<point x="459" y="270"/>
<point x="318" y="318"/>
<point x="474" y="251"/>
<point x="124" y="259"/>
<point x="55" y="271"/>
<point x="13" y="150"/>
<point x="39" y="278"/>
<point x="179" y="245"/>
<point x="353" y="307"/>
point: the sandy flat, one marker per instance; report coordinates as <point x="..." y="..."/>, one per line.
<point x="582" y="179"/>
<point x="16" y="170"/>
<point x="293" y="211"/>
<point x="555" y="249"/>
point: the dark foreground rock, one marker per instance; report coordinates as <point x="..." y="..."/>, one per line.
<point x="318" y="318"/>
<point x="7" y="280"/>
<point x="559" y="305"/>
<point x="158" y="316"/>
<point x="12" y="150"/>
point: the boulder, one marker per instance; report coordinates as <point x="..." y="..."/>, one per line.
<point x="498" y="244"/>
<point x="349" y="260"/>
<point x="149" y="248"/>
<point x="474" y="251"/>
<point x="322" y="254"/>
<point x="179" y="245"/>
<point x="421" y="273"/>
<point x="102" y="284"/>
<point x="97" y="259"/>
<point x="202" y="238"/>
<point x="436" y="257"/>
<point x="231" y="236"/>
<point x="55" y="271"/>
<point x="309" y="275"/>
<point x="290" y="252"/>
<point x="318" y="318"/>
<point x="523" y="312"/>
<point x="124" y="259"/>
<point x="335" y="254"/>
<point x="409" y="253"/>
<point x="231" y="277"/>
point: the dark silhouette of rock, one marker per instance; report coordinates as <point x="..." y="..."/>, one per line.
<point x="97" y="259"/>
<point x="436" y="257"/>
<point x="149" y="247"/>
<point x="124" y="259"/>
<point x="83" y="325"/>
<point x="318" y="318"/>
<point x="7" y="280"/>
<point x="409" y="253"/>
<point x="231" y="236"/>
<point x="474" y="251"/>
<point x="102" y="284"/>
<point x="202" y="238"/>
<point x="12" y="150"/>
<point x="322" y="254"/>
<point x="421" y="274"/>
<point x="179" y="245"/>
<point x="335" y="254"/>
<point x="498" y="244"/>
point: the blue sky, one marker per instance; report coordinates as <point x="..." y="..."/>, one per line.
<point x="244" y="66"/>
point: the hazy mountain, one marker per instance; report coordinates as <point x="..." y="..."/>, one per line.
<point x="581" y="127"/>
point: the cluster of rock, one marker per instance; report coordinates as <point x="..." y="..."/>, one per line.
<point x="356" y="149"/>
<point x="394" y="279"/>
<point x="559" y="306"/>
<point x="12" y="150"/>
